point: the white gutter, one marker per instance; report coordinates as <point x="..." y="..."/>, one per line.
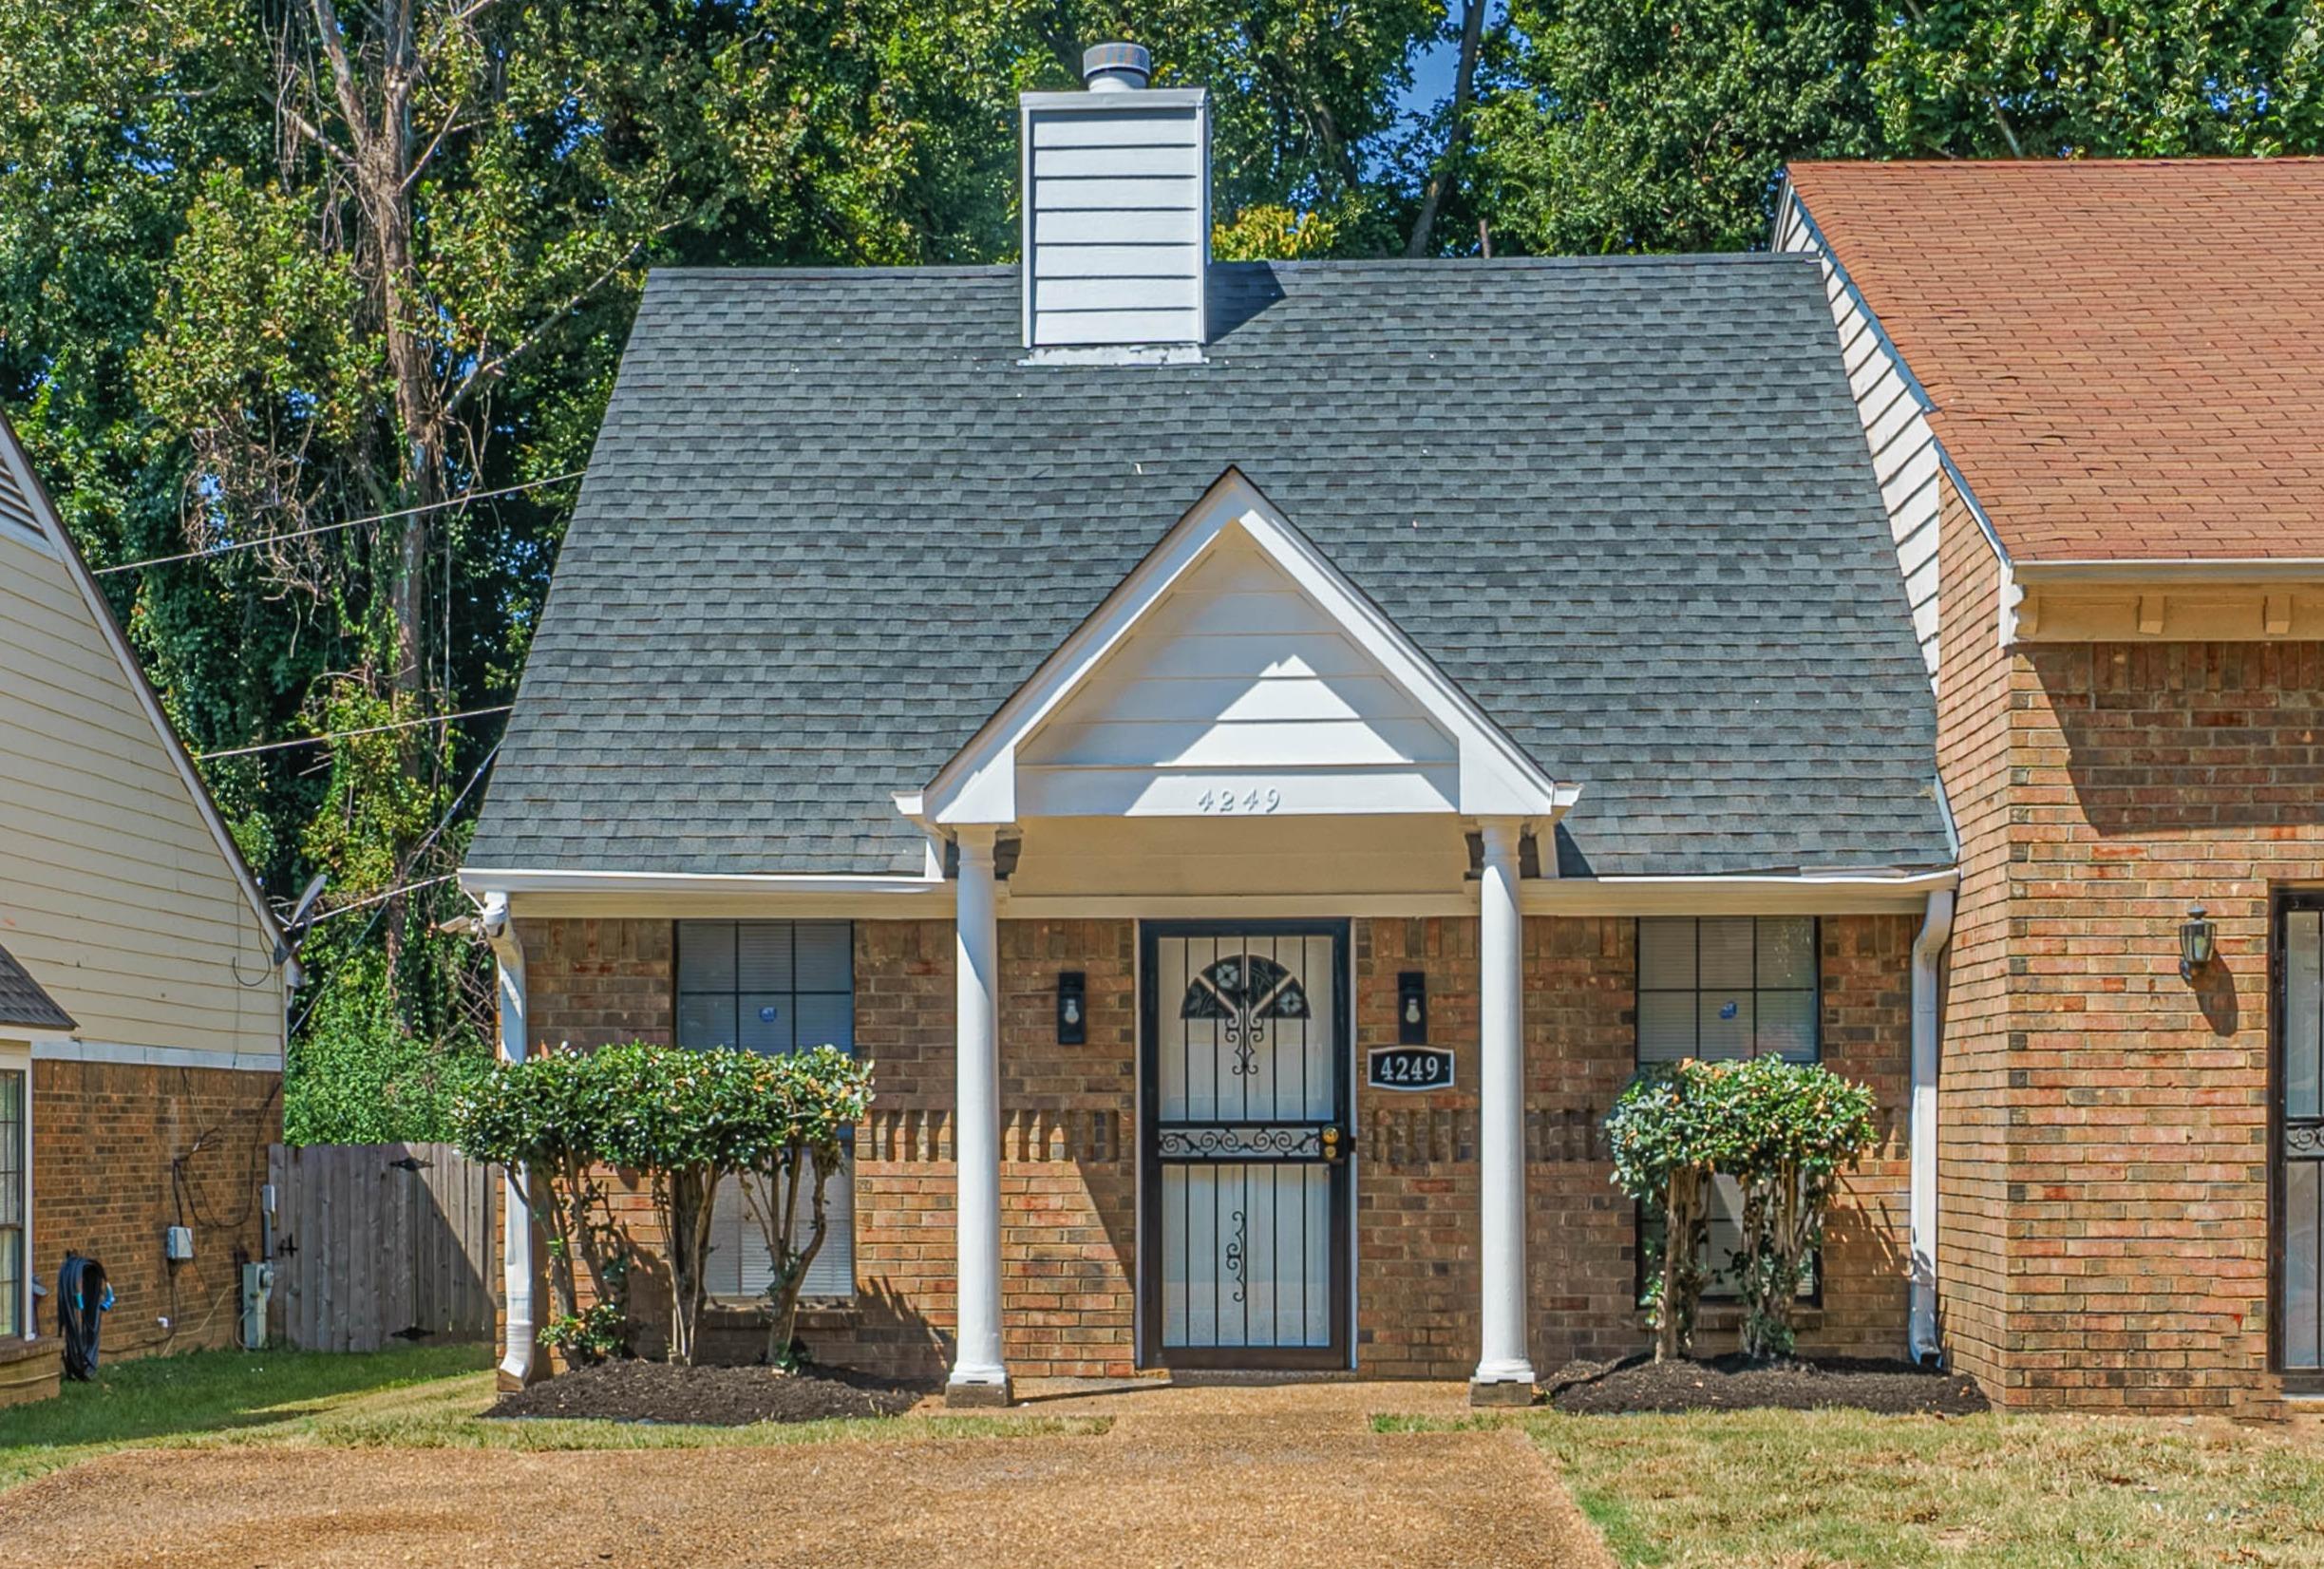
<point x="485" y="881"/>
<point x="1928" y="950"/>
<point x="2187" y="570"/>
<point x="517" y="1212"/>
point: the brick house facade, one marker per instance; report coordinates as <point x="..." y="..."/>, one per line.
<point x="1069" y="1172"/>
<point x="2103" y="456"/>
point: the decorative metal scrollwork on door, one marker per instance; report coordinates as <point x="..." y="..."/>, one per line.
<point x="1239" y="1256"/>
<point x="1245" y="992"/>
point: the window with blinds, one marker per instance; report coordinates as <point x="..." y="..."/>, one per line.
<point x="771" y="987"/>
<point x="1721" y="987"/>
<point x="15" y="1159"/>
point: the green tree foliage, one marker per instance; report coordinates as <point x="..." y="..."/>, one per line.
<point x="1659" y="124"/>
<point x="2113" y="78"/>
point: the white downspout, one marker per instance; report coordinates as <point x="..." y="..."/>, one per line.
<point x="516" y="1212"/>
<point x="1928" y="950"/>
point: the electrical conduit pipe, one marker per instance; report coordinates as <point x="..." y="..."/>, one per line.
<point x="1928" y="951"/>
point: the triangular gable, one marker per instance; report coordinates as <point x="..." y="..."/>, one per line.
<point x="28" y="515"/>
<point x="1334" y="697"/>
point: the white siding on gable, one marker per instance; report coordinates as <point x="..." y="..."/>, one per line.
<point x="1904" y="453"/>
<point x="1117" y="217"/>
<point x="1238" y="695"/>
<point x="114" y="892"/>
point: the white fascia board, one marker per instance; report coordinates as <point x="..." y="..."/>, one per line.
<point x="978" y="784"/>
<point x="1772" y="894"/>
<point x="480" y="880"/>
<point x="2174" y="570"/>
<point x="44" y="510"/>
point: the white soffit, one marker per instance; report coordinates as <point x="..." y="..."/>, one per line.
<point x="1481" y="772"/>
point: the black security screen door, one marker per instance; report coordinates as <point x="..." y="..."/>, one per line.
<point x="1244" y="1262"/>
<point x="2299" y="1134"/>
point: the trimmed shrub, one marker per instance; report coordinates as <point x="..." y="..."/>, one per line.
<point x="807" y="1104"/>
<point x="1666" y="1140"/>
<point x="1796" y="1127"/>
<point x="545" y="1118"/>
<point x="686" y="1120"/>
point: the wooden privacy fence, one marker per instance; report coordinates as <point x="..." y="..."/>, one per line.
<point x="375" y="1243"/>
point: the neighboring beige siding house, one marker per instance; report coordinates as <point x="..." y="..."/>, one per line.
<point x="145" y="1096"/>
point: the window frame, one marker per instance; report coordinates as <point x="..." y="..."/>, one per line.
<point x="679" y="992"/>
<point x="16" y="1059"/>
<point x="1715" y="1293"/>
<point x="1638" y="990"/>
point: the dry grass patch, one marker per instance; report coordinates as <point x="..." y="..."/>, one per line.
<point x="1812" y="1490"/>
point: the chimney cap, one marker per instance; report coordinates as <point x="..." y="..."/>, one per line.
<point x="1115" y="68"/>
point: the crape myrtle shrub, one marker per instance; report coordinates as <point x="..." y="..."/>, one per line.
<point x="685" y="1121"/>
<point x="1784" y="1132"/>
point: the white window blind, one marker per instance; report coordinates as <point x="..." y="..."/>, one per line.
<point x="1723" y="987"/>
<point x="771" y="987"/>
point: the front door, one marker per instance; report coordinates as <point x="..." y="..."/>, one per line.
<point x="2300" y="1139"/>
<point x="1244" y="1260"/>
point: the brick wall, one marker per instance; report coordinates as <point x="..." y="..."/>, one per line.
<point x="120" y="1153"/>
<point x="2127" y="1107"/>
<point x="1417" y="1201"/>
<point x="1069" y="1176"/>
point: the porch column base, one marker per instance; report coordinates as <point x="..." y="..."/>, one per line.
<point x="1502" y="1391"/>
<point x="978" y="1395"/>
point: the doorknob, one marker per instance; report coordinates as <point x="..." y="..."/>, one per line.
<point x="1331" y="1144"/>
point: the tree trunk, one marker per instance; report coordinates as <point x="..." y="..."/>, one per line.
<point x="1456" y="134"/>
<point x="1673" y="1324"/>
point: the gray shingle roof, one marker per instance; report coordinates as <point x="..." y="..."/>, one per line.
<point x="831" y="522"/>
<point x="21" y="1001"/>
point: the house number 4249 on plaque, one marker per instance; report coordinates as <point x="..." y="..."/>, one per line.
<point x="1228" y="802"/>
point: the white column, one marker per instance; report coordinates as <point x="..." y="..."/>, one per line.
<point x="515" y="1206"/>
<point x="978" y="1375"/>
<point x="1504" y="1371"/>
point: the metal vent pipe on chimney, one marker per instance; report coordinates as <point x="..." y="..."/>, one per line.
<point x="1117" y="67"/>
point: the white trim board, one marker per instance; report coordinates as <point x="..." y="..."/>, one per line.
<point x="1871" y="891"/>
<point x="1496" y="778"/>
<point x="62" y="1048"/>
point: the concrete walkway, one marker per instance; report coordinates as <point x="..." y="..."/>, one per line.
<point x="1240" y="1475"/>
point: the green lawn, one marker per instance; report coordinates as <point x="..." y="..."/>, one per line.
<point x="1808" y="1490"/>
<point x="422" y="1398"/>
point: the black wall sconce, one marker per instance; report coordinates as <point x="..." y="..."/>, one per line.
<point x="1073" y="1008"/>
<point x="1411" y="1008"/>
<point x="2196" y="941"/>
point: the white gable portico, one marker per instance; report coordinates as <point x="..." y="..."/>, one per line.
<point x="1238" y="672"/>
<point x="1238" y="725"/>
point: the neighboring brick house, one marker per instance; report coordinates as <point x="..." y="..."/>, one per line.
<point x="2094" y="393"/>
<point x="1258" y="754"/>
<point x="142" y="989"/>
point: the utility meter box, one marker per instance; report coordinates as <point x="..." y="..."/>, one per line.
<point x="258" y="1288"/>
<point x="178" y="1244"/>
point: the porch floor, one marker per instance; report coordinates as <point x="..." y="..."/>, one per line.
<point x="1249" y="1474"/>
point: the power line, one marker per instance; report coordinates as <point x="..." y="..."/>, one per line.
<point x="329" y="528"/>
<point x="375" y="899"/>
<point x="342" y="735"/>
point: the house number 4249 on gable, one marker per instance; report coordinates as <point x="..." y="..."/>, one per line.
<point x="1227" y="803"/>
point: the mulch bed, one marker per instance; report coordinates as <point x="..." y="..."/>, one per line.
<point x="1735" y="1384"/>
<point x="721" y="1397"/>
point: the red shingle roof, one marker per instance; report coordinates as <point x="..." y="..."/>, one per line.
<point x="2126" y="358"/>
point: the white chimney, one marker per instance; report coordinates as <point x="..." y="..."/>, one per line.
<point x="1117" y="209"/>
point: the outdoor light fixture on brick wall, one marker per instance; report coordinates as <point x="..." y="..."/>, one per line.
<point x="1412" y="1007"/>
<point x="1073" y="1008"/>
<point x="2194" y="941"/>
